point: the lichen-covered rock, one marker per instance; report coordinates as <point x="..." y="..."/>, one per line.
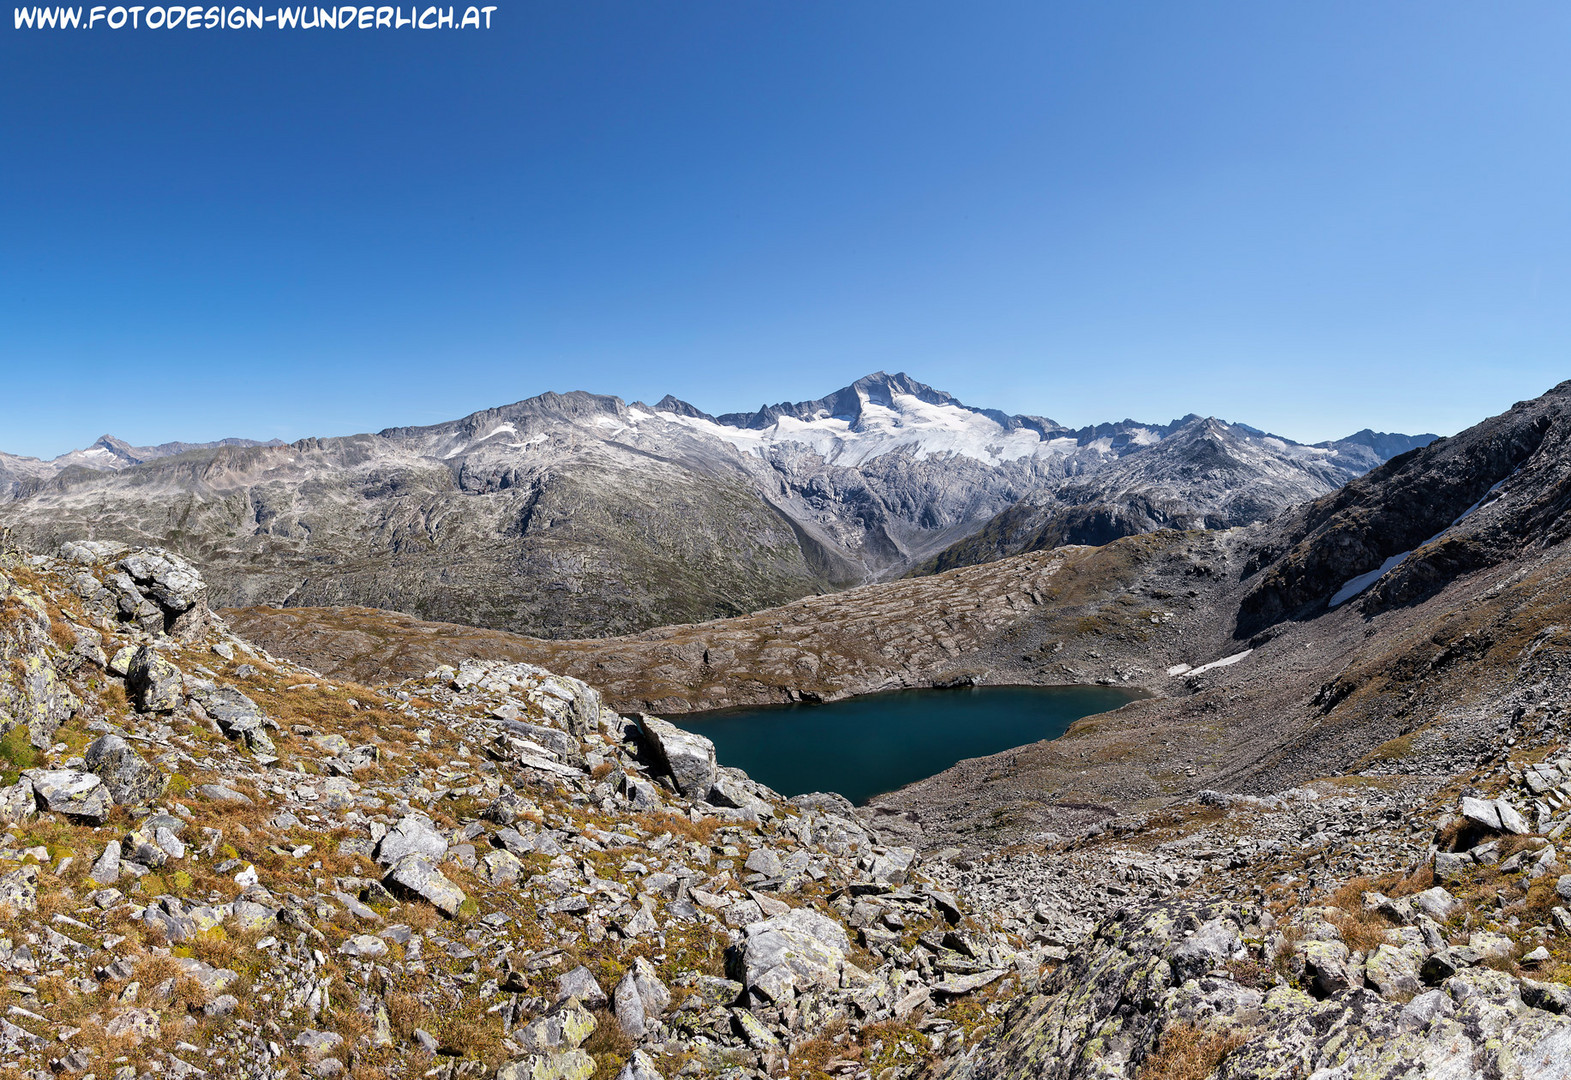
<point x="1392" y="973"/>
<point x="1211" y="947"/>
<point x="564" y="1027"/>
<point x="791" y="953"/>
<point x="75" y="794"/>
<point x="135" y="1026"/>
<point x="1103" y="1014"/>
<point x="17" y="801"/>
<point x="561" y="1065"/>
<point x="19" y="889"/>
<point x="156" y="685"/>
<point x="130" y="779"/>
<point x="32" y="693"/>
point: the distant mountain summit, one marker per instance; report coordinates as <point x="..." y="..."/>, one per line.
<point x="106" y="454"/>
<point x="577" y="514"/>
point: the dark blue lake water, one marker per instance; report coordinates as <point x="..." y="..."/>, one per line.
<point x="866" y="746"/>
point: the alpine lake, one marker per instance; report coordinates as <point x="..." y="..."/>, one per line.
<point x="865" y="746"/>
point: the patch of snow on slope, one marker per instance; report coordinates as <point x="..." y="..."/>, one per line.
<point x="1357" y="585"/>
<point x="926" y="429"/>
<point x="1226" y="661"/>
<point x="1363" y="581"/>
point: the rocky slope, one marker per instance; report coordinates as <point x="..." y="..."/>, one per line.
<point x="221" y="862"/>
<point x="580" y="515"/>
<point x="1204" y="475"/>
<point x="215" y="861"/>
<point x="1258" y="682"/>
<point x="20" y="476"/>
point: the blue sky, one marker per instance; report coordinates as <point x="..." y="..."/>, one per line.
<point x="1309" y="217"/>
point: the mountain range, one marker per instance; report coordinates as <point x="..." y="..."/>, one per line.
<point x="569" y="515"/>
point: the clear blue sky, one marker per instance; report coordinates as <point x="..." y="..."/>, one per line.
<point x="1313" y="217"/>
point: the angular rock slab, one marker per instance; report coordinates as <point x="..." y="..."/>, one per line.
<point x="130" y="779"/>
<point x="156" y="685"/>
<point x="75" y="794"/>
<point x="640" y="999"/>
<point x="688" y="758"/>
<point x="418" y="875"/>
<point x="1497" y="814"/>
<point x="414" y="834"/>
<point x="562" y="1065"/>
<point x="797" y="951"/>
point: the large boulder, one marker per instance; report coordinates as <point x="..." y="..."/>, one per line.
<point x="174" y="585"/>
<point x="417" y="875"/>
<point x="564" y="1027"/>
<point x="130" y="779"/>
<point x="797" y="951"/>
<point x="572" y="1064"/>
<point x="688" y="758"/>
<point x="640" y="999"/>
<point x="156" y="685"/>
<point x="236" y="715"/>
<point x="75" y="794"/>
<point x="1497" y="815"/>
<point x="414" y="834"/>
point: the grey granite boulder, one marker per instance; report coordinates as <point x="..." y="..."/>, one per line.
<point x="156" y="684"/>
<point x="640" y="999"/>
<point x="414" y="834"/>
<point x="416" y="874"/>
<point x="1209" y="948"/>
<point x="75" y="794"/>
<point x="127" y="775"/>
<point x="689" y="759"/>
<point x="797" y="951"/>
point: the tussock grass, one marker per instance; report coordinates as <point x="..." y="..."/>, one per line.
<point x="1187" y="1052"/>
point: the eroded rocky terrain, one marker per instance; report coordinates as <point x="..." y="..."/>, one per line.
<point x="220" y="862"/>
<point x="1331" y="844"/>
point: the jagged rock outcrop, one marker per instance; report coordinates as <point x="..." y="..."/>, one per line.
<point x="1206" y="474"/>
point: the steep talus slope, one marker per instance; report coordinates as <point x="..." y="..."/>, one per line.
<point x="578" y="514"/>
<point x="1417" y="500"/>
